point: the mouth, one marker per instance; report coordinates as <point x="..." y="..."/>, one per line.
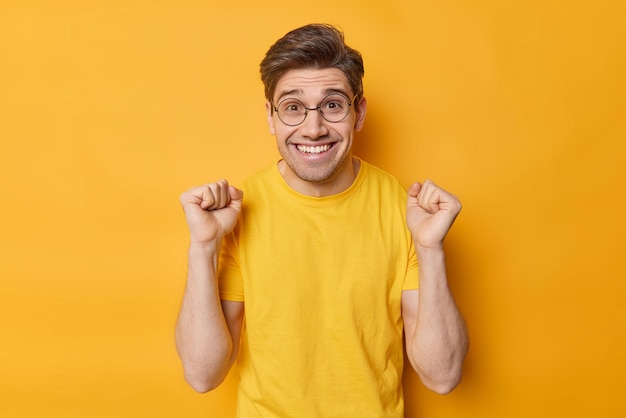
<point x="314" y="150"/>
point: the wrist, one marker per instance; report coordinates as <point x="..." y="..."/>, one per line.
<point x="202" y="247"/>
<point x="205" y="253"/>
<point x="424" y="252"/>
<point x="432" y="267"/>
<point x="428" y="248"/>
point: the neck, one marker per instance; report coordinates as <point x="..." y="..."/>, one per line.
<point x="339" y="182"/>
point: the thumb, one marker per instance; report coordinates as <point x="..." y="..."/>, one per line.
<point x="414" y="190"/>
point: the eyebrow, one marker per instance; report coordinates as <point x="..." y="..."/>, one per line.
<point x="300" y="92"/>
<point x="293" y="92"/>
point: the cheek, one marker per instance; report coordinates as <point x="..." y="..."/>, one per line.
<point x="282" y="133"/>
<point x="348" y="132"/>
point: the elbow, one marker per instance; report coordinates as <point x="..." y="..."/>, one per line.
<point x="441" y="378"/>
<point x="205" y="372"/>
<point x="202" y="383"/>
<point x="443" y="386"/>
<point x="204" y="377"/>
<point x="443" y="373"/>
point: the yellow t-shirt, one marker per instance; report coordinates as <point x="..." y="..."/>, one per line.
<point x="322" y="280"/>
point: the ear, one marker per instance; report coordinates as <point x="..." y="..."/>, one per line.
<point x="270" y="117"/>
<point x="361" y="109"/>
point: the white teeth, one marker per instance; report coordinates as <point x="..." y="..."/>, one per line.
<point x="313" y="150"/>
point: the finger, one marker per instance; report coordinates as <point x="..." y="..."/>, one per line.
<point x="214" y="195"/>
<point x="224" y="195"/>
<point x="437" y="199"/>
<point x="429" y="197"/>
<point x="209" y="198"/>
<point x="236" y="197"/>
<point x="191" y="196"/>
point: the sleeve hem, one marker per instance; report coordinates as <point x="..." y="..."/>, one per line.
<point x="233" y="297"/>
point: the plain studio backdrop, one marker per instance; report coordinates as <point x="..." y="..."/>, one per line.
<point x="110" y="109"/>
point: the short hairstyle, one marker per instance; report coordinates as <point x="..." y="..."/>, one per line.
<point x="317" y="46"/>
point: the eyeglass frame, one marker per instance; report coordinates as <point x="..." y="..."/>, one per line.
<point x="318" y="108"/>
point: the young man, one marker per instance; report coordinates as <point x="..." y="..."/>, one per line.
<point x="320" y="253"/>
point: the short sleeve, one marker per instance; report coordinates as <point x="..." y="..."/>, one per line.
<point x="230" y="281"/>
<point x="411" y="281"/>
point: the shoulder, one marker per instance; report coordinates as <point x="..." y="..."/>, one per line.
<point x="386" y="182"/>
<point x="266" y="177"/>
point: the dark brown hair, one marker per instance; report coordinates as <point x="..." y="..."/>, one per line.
<point x="312" y="46"/>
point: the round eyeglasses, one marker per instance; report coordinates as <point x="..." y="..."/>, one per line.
<point x="333" y="108"/>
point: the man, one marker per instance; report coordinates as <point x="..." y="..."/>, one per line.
<point x="320" y="253"/>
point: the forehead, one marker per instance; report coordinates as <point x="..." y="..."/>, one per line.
<point x="314" y="83"/>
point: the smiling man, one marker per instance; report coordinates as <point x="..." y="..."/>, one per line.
<point x="317" y="274"/>
<point x="316" y="143"/>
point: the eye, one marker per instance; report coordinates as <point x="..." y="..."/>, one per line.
<point x="334" y="104"/>
<point x="290" y="106"/>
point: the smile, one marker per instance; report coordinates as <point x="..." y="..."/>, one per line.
<point x="313" y="150"/>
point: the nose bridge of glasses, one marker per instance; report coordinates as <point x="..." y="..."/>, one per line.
<point x="318" y="108"/>
<point x="308" y="109"/>
<point x="330" y="117"/>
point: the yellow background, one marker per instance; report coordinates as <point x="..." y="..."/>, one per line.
<point x="110" y="109"/>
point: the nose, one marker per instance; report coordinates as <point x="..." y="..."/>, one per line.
<point x="314" y="125"/>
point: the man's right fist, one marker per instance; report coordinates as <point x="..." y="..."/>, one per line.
<point x="211" y="211"/>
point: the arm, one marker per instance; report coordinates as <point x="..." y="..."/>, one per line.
<point x="436" y="336"/>
<point x="207" y="330"/>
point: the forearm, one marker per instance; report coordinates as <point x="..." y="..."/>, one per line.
<point x="203" y="340"/>
<point x="439" y="342"/>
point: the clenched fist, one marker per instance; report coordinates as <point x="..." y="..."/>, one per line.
<point x="211" y="211"/>
<point x="430" y="213"/>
